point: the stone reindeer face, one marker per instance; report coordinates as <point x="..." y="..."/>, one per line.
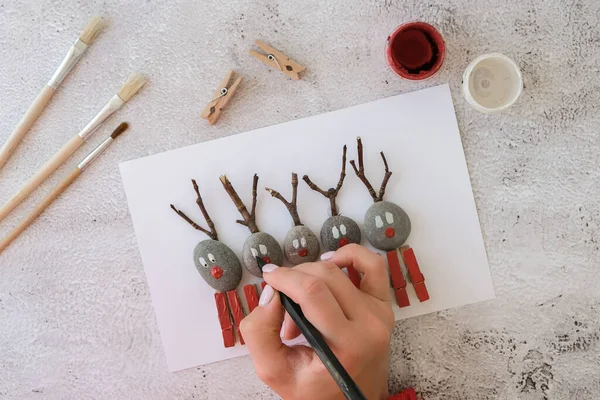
<point x="259" y="244"/>
<point x="339" y="231"/>
<point x="300" y="244"/>
<point x="386" y="225"/>
<point x="218" y="265"/>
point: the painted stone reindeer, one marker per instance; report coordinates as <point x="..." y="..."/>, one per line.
<point x="387" y="227"/>
<point x="220" y="268"/>
<point x="258" y="244"/>
<point x="300" y="244"/>
<point x="338" y="230"/>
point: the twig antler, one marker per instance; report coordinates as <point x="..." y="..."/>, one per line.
<point x="293" y="206"/>
<point x="360" y="172"/>
<point x="249" y="217"/>
<point x="331" y="193"/>
<point x="212" y="233"/>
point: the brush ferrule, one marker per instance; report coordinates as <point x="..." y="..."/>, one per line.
<point x="113" y="105"/>
<point x="74" y="54"/>
<point x="95" y="153"/>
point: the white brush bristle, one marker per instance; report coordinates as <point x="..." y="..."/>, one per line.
<point x="131" y="87"/>
<point x="91" y="30"/>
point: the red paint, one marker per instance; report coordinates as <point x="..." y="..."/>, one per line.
<point x="398" y="280"/>
<point x="354" y="276"/>
<point x="303" y="252"/>
<point x="415" y="50"/>
<point x="343" y="241"/>
<point x="251" y="297"/>
<point x="266" y="259"/>
<point x="216" y="272"/>
<point x="390" y="232"/>
<point x="416" y="276"/>
<point x="263" y="284"/>
<point x="412" y="49"/>
<point x="224" y="320"/>
<point x="236" y="311"/>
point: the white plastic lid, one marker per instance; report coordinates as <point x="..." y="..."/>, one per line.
<point x="492" y="83"/>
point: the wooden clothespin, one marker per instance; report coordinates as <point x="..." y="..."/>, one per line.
<point x="276" y="59"/>
<point x="221" y="97"/>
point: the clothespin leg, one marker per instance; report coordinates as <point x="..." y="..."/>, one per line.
<point x="237" y="312"/>
<point x="354" y="276"/>
<point x="398" y="281"/>
<point x="251" y="296"/>
<point x="224" y="320"/>
<point x="417" y="278"/>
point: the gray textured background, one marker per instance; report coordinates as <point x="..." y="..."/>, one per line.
<point x="76" y="317"/>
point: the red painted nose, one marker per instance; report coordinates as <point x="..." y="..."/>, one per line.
<point x="343" y="241"/>
<point x="216" y="272"/>
<point x="266" y="259"/>
<point x="302" y="252"/>
<point x="390" y="232"/>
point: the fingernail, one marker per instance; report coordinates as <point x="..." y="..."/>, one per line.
<point x="282" y="332"/>
<point x="266" y="296"/>
<point x="327" y="256"/>
<point x="269" y="268"/>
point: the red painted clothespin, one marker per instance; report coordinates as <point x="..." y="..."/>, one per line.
<point x="224" y="319"/>
<point x="237" y="312"/>
<point x="354" y="276"/>
<point x="251" y="297"/>
<point x="407" y="394"/>
<point x="398" y="280"/>
<point x="416" y="277"/>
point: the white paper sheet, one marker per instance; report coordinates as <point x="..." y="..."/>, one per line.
<point x="418" y="132"/>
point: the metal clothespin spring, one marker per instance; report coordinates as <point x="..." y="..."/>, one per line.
<point x="223" y="93"/>
<point x="272" y="58"/>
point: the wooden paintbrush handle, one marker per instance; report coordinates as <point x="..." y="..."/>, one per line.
<point x="47" y="169"/>
<point x="39" y="208"/>
<point x="34" y="111"/>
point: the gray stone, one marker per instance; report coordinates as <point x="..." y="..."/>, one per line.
<point x="386" y="225"/>
<point x="218" y="265"/>
<point x="301" y="245"/>
<point x="263" y="245"/>
<point x="339" y="231"/>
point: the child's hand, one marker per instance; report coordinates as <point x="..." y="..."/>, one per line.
<point x="357" y="325"/>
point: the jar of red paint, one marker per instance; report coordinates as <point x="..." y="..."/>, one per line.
<point x="415" y="50"/>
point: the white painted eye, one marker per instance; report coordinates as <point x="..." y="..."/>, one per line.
<point x="211" y="258"/>
<point x="254" y="252"/>
<point x="336" y="233"/>
<point x="343" y="229"/>
<point x="378" y="221"/>
<point x="389" y="217"/>
<point x="203" y="262"/>
<point x="263" y="249"/>
<point x="303" y="242"/>
<point x="295" y="243"/>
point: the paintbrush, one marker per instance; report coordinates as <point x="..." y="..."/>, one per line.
<point x="61" y="187"/>
<point x="318" y="344"/>
<point x="127" y="91"/>
<point x="35" y="109"/>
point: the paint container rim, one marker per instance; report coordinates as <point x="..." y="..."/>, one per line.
<point x="431" y="31"/>
<point x="467" y="75"/>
